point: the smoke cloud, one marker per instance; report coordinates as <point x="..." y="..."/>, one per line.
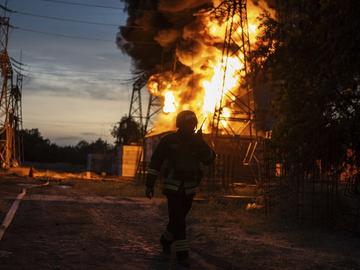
<point x="173" y="43"/>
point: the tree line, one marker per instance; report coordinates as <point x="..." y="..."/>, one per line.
<point x="40" y="149"/>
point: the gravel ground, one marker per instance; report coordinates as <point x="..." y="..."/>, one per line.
<point x="107" y="225"/>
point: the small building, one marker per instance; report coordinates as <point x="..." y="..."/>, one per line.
<point x="123" y="162"/>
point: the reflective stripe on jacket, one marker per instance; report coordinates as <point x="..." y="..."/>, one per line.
<point x="183" y="157"/>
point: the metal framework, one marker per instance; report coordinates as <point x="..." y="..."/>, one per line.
<point x="236" y="44"/>
<point x="16" y="112"/>
<point x="153" y="109"/>
<point x="10" y="104"/>
<point x="240" y="159"/>
<point x="154" y="105"/>
<point x="146" y="122"/>
<point x="135" y="110"/>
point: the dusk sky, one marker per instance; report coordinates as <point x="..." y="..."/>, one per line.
<point x="76" y="89"/>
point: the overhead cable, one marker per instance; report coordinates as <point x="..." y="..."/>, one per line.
<point x="67" y="19"/>
<point x="58" y="34"/>
<point x="97" y="6"/>
<point x="17" y="62"/>
<point x="64" y="19"/>
<point x="82" y="4"/>
<point x="75" y="37"/>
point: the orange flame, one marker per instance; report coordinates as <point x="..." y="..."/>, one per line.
<point x="169" y="102"/>
<point x="216" y="75"/>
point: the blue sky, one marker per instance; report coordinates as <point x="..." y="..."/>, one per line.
<point x="75" y="89"/>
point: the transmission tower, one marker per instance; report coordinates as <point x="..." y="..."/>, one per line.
<point x="10" y="104"/>
<point x="154" y="108"/>
<point x="236" y="44"/>
<point x="6" y="134"/>
<point x="239" y="127"/>
<point x="16" y="112"/>
<point x="135" y="110"/>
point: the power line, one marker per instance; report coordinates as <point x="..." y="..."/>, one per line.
<point x="98" y="6"/>
<point x="75" y="37"/>
<point x="59" y="35"/>
<point x="17" y="62"/>
<point x="64" y="19"/>
<point x="70" y="19"/>
<point x="40" y="69"/>
<point x="82" y="4"/>
<point x="78" y="76"/>
<point x="24" y="13"/>
<point x="62" y="72"/>
<point x="21" y="73"/>
<point x="19" y="67"/>
<point x="69" y="78"/>
<point x="75" y="20"/>
<point x="58" y="122"/>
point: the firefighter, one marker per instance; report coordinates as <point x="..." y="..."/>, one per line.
<point x="182" y="153"/>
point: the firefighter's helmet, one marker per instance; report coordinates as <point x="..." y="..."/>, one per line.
<point x="186" y="118"/>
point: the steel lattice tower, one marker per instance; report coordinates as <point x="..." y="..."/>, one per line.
<point x="135" y="110"/>
<point x="16" y="112"/>
<point x="6" y="134"/>
<point x="10" y="104"/>
<point x="238" y="128"/>
<point x="154" y="107"/>
<point x="236" y="44"/>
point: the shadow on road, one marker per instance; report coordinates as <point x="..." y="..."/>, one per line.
<point x="160" y="262"/>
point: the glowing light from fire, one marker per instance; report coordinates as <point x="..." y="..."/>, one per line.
<point x="153" y="88"/>
<point x="226" y="113"/>
<point x="216" y="86"/>
<point x="216" y="74"/>
<point x="252" y="29"/>
<point x="169" y="102"/>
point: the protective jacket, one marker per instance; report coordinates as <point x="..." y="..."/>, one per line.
<point x="182" y="156"/>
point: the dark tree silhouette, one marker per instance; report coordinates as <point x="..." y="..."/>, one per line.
<point x="127" y="131"/>
<point x="38" y="149"/>
<point x="310" y="54"/>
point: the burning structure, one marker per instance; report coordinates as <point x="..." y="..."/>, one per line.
<point x="202" y="59"/>
<point x="199" y="60"/>
<point x="195" y="55"/>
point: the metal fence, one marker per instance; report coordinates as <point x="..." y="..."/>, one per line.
<point x="311" y="194"/>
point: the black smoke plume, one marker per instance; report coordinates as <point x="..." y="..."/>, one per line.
<point x="154" y="32"/>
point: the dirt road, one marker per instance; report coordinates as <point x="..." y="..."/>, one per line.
<point x="77" y="231"/>
<point x="95" y="226"/>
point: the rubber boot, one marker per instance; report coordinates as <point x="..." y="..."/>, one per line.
<point x="182" y="258"/>
<point x="166" y="245"/>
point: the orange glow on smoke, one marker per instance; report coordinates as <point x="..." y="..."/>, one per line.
<point x="216" y="75"/>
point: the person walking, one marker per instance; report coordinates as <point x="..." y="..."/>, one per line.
<point x="181" y="153"/>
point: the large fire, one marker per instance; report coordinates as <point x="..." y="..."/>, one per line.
<point x="213" y="75"/>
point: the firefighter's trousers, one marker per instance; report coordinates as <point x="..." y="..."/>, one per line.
<point x="179" y="205"/>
